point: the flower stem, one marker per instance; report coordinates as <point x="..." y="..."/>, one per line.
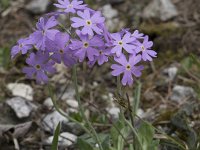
<point x="132" y="120"/>
<point x="74" y="76"/>
<point x="119" y="88"/>
<point x="53" y="98"/>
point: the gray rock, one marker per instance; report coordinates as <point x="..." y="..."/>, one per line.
<point x="65" y="139"/>
<point x="22" y="90"/>
<point x="109" y="12"/>
<point x="161" y="9"/>
<point x="114" y="112"/>
<point x="141" y="113"/>
<point x="112" y="21"/>
<point x="69" y="94"/>
<point x="37" y="6"/>
<point x="21" y="107"/>
<point x="60" y="76"/>
<point x="51" y="121"/>
<point x="171" y="73"/>
<point x="180" y="93"/>
<point x="71" y="110"/>
<point x="113" y="24"/>
<point x="72" y="103"/>
<point x="48" y="103"/>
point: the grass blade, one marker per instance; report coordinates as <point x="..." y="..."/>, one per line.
<point x="54" y="145"/>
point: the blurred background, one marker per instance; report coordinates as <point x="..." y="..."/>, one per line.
<point x="170" y="84"/>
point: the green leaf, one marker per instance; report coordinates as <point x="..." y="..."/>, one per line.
<point x="5" y="57"/>
<point x="131" y="147"/>
<point x="54" y="145"/>
<point x="5" y="3"/>
<point x="186" y="64"/>
<point x="106" y="143"/>
<point x="137" y="95"/>
<point x="195" y="59"/>
<point x="84" y="145"/>
<point x="115" y="132"/>
<point x="77" y="116"/>
<point x="118" y="130"/>
<point x="145" y="134"/>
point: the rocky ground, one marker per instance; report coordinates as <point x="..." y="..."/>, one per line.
<point x="170" y="85"/>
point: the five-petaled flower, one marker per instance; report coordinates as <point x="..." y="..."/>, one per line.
<point x="60" y="49"/>
<point x="145" y="49"/>
<point x="104" y="53"/>
<point x="128" y="68"/>
<point x="90" y="21"/>
<point x="122" y="42"/>
<point x="39" y="66"/>
<point x="23" y="45"/>
<point x="86" y="46"/>
<point x="44" y="31"/>
<point x="70" y="7"/>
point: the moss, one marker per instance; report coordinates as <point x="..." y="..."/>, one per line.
<point x="161" y="29"/>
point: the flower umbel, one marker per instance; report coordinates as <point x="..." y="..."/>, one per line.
<point x="88" y="40"/>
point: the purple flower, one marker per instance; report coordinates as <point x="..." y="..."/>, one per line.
<point x="44" y="31"/>
<point x="145" y="48"/>
<point x="137" y="35"/>
<point x="124" y="31"/>
<point x="39" y="66"/>
<point x="90" y="21"/>
<point x="70" y="6"/>
<point x="60" y="49"/>
<point x="23" y="45"/>
<point x="107" y="36"/>
<point x="103" y="56"/>
<point x="87" y="47"/>
<point x="124" y="42"/>
<point x="128" y="68"/>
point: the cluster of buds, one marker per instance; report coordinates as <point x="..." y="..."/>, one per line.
<point x="86" y="40"/>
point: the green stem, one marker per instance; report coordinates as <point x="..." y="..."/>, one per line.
<point x="119" y="88"/>
<point x="132" y="120"/>
<point x="82" y="110"/>
<point x="137" y="96"/>
<point x="53" y="98"/>
<point x="135" y="134"/>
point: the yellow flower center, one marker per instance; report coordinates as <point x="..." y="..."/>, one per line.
<point x="143" y="48"/>
<point x="43" y="32"/>
<point x="86" y="44"/>
<point x="88" y="22"/>
<point x="70" y="6"/>
<point x="21" y="45"/>
<point x="120" y="43"/>
<point x="38" y="67"/>
<point x="128" y="67"/>
<point x="61" y="51"/>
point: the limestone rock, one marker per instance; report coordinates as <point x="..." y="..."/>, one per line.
<point x="160" y="9"/>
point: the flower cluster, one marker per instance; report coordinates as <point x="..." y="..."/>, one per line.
<point x="87" y="40"/>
